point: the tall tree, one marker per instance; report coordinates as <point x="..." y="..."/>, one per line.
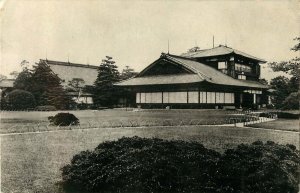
<point x="47" y="88"/>
<point x="23" y="79"/>
<point x="105" y="93"/>
<point x="291" y="68"/>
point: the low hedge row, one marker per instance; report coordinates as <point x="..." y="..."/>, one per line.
<point x="156" y="165"/>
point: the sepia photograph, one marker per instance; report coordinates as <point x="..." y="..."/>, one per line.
<point x="149" y="96"/>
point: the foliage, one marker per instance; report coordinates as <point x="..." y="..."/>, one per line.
<point x="127" y="73"/>
<point x="156" y="165"/>
<point x="263" y="81"/>
<point x="63" y="119"/>
<point x="281" y="86"/>
<point x="23" y="79"/>
<point x="143" y="165"/>
<point x="292" y="101"/>
<point x="105" y="93"/>
<point x="43" y="84"/>
<point x="47" y="88"/>
<point x="76" y="84"/>
<point x="288" y="115"/>
<point x="260" y="168"/>
<point x="292" y="68"/>
<point x="19" y="100"/>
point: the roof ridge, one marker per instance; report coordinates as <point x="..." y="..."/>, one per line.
<point x="203" y="76"/>
<point x="69" y="64"/>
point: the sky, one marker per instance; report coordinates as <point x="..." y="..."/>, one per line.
<point x="135" y="33"/>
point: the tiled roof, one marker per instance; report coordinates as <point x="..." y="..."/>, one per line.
<point x="220" y="50"/>
<point x="7" y="83"/>
<point x="202" y="73"/>
<point x="161" y="79"/>
<point x="67" y="71"/>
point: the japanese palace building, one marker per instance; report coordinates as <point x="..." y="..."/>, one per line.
<point x="67" y="71"/>
<point x="219" y="77"/>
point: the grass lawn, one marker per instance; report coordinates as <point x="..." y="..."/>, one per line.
<point x="280" y="124"/>
<point x="12" y="122"/>
<point x="31" y="162"/>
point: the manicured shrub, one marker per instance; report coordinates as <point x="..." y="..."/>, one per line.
<point x="143" y="165"/>
<point x="63" y="119"/>
<point x="156" y="165"/>
<point x="19" y="100"/>
<point x="259" y="168"/>
<point x="287" y="115"/>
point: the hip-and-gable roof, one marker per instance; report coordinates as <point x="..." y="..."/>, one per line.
<point x="219" y="51"/>
<point x="199" y="72"/>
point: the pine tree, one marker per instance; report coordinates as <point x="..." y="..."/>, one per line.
<point x="106" y="94"/>
<point x="47" y="88"/>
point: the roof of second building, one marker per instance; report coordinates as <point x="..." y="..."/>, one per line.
<point x="220" y="50"/>
<point x="66" y="71"/>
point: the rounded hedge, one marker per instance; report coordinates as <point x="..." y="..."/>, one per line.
<point x="63" y="119"/>
<point x="156" y="165"/>
<point x="259" y="167"/>
<point x="20" y="100"/>
<point x="143" y="165"/>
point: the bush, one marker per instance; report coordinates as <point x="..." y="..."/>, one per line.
<point x="143" y="165"/>
<point x="19" y="100"/>
<point x="292" y="101"/>
<point x="261" y="168"/>
<point x="287" y="115"/>
<point x="45" y="108"/>
<point x="63" y="119"/>
<point x="155" y="165"/>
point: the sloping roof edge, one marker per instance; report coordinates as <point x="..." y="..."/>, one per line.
<point x="201" y="76"/>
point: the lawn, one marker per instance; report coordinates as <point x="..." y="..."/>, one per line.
<point x="280" y="124"/>
<point x="15" y="122"/>
<point x="31" y="162"/>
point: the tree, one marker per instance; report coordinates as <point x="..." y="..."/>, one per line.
<point x="76" y="83"/>
<point x="105" y="93"/>
<point x="20" y="100"/>
<point x="127" y="73"/>
<point x="47" y="89"/>
<point x="281" y="86"/>
<point x="23" y="79"/>
<point x="291" y="68"/>
<point x="292" y="101"/>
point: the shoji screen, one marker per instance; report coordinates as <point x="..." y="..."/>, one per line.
<point x="177" y="97"/>
<point x="193" y="97"/>
<point x="138" y="97"/>
<point x="211" y="97"/>
<point x="202" y="97"/>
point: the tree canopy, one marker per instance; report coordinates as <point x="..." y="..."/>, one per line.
<point x="285" y="86"/>
<point x="43" y="84"/>
<point x="105" y="93"/>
